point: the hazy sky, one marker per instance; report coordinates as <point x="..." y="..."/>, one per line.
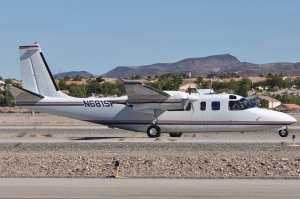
<point x="97" y="36"/>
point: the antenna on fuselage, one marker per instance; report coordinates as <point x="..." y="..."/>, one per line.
<point x="189" y="89"/>
<point x="210" y="86"/>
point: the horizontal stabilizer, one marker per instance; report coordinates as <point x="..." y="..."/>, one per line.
<point x="24" y="95"/>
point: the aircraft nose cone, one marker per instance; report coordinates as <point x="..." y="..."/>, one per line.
<point x="278" y="117"/>
<point x="288" y="119"/>
<point x="291" y="119"/>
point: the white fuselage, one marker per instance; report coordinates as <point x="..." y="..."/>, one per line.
<point x="105" y="111"/>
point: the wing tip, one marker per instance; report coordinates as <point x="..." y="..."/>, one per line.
<point x="130" y="82"/>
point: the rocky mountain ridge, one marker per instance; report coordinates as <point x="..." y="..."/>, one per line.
<point x="73" y="74"/>
<point x="216" y="64"/>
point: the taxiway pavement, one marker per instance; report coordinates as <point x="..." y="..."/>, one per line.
<point x="147" y="188"/>
<point x="63" y="134"/>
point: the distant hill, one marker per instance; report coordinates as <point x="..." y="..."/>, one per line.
<point x="216" y="64"/>
<point x="72" y="74"/>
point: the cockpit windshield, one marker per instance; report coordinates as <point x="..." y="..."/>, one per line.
<point x="241" y="104"/>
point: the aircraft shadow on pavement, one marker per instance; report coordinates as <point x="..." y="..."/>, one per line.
<point x="96" y="138"/>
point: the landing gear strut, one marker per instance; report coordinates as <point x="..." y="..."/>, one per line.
<point x="153" y="131"/>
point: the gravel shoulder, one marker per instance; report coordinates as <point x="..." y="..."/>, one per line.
<point x="38" y="119"/>
<point x="149" y="160"/>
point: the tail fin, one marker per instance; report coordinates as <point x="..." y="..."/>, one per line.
<point x="36" y="75"/>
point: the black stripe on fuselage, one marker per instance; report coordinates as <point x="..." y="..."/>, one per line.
<point x="46" y="104"/>
<point x="49" y="72"/>
<point x="144" y="101"/>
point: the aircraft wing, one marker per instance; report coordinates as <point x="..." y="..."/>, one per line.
<point x="143" y="97"/>
<point x="139" y="92"/>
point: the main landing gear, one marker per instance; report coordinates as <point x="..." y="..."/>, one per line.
<point x="283" y="132"/>
<point x="153" y="131"/>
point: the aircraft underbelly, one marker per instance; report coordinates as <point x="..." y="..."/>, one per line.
<point x="122" y="116"/>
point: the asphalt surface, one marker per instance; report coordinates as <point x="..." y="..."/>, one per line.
<point x="147" y="188"/>
<point x="61" y="134"/>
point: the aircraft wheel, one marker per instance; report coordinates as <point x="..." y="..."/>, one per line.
<point x="175" y="134"/>
<point x="153" y="131"/>
<point x="283" y="133"/>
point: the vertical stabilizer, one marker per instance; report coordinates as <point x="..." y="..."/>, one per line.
<point x="36" y="75"/>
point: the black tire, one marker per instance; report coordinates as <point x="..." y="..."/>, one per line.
<point x="153" y="131"/>
<point x="283" y="133"/>
<point x="175" y="134"/>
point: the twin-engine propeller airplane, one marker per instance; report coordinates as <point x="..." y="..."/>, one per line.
<point x="144" y="109"/>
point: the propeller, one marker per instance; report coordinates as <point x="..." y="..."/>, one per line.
<point x="188" y="99"/>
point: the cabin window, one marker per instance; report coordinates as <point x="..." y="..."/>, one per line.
<point x="203" y="106"/>
<point x="233" y="105"/>
<point x="241" y="104"/>
<point x="232" y="97"/>
<point x="215" y="106"/>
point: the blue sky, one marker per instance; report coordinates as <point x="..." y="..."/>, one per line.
<point x="97" y="36"/>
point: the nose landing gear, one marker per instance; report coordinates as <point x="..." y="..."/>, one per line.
<point x="283" y="132"/>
